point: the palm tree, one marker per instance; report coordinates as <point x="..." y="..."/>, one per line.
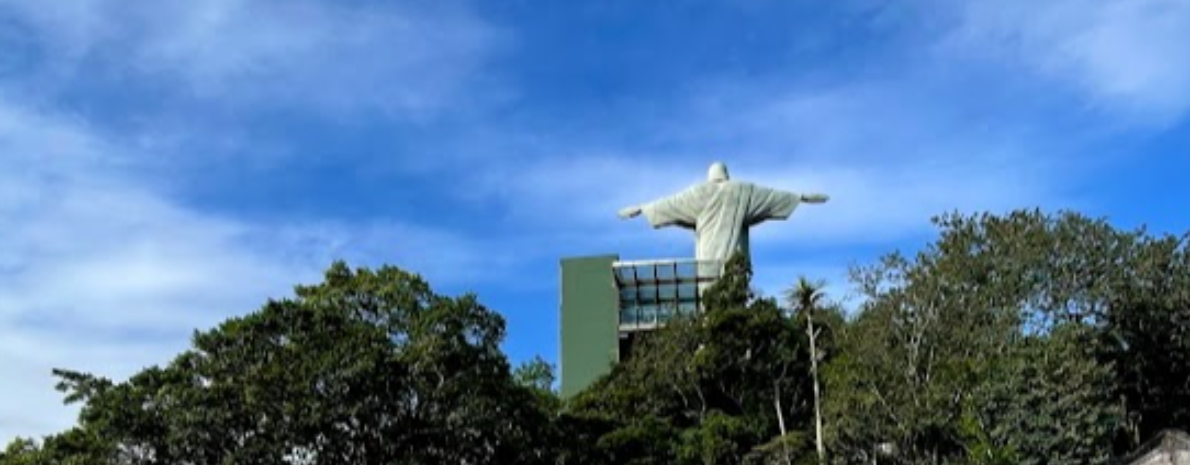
<point x="806" y="298"/>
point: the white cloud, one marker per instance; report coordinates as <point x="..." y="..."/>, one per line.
<point x="576" y="188"/>
<point x="451" y="261"/>
<point x="887" y="174"/>
<point x="101" y="273"/>
<point x="1127" y="56"/>
<point x="406" y="60"/>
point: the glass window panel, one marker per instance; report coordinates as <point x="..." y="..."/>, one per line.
<point x="647" y="294"/>
<point x="648" y="314"/>
<point x="628" y="316"/>
<point x="665" y="312"/>
<point x="624" y="275"/>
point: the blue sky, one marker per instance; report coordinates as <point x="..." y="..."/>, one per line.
<point x="166" y="165"/>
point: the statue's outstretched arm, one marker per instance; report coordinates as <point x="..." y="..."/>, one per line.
<point x="680" y="209"/>
<point x="815" y="198"/>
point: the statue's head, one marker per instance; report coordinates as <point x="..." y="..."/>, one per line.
<point x="717" y="172"/>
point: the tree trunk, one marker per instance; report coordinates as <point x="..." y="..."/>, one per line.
<point x="821" y="448"/>
<point x="781" y="421"/>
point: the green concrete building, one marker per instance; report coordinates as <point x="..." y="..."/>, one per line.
<point x="606" y="303"/>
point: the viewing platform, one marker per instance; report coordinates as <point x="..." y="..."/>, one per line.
<point x="652" y="292"/>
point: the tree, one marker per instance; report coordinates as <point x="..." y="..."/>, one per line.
<point x="22" y="451"/>
<point x="807" y="297"/>
<point x="366" y="367"/>
<point x="1049" y="402"/>
<point x="1146" y="336"/>
<point x="1006" y="339"/>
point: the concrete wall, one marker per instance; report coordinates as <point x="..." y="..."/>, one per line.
<point x="589" y="335"/>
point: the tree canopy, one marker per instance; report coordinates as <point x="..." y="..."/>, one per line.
<point x="1026" y="338"/>
<point x="366" y="367"/>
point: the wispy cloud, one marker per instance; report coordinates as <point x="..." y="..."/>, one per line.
<point x="1126" y="56"/>
<point x="101" y="272"/>
<point x="887" y="173"/>
<point x="102" y="266"/>
<point x="407" y="60"/>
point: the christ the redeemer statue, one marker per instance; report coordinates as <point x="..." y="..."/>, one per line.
<point x="720" y="212"/>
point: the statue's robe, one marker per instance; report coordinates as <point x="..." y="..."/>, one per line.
<point x="720" y="214"/>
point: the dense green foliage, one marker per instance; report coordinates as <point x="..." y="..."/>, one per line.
<point x="368" y="367"/>
<point x="1017" y="339"/>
